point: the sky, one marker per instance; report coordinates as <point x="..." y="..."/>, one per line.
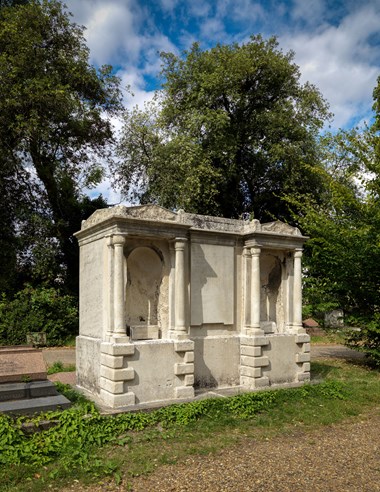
<point x="336" y="42"/>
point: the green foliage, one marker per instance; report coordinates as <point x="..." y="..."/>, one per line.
<point x="80" y="428"/>
<point x="342" y="257"/>
<point x="54" y="125"/>
<point x="38" y="310"/>
<point x="59" y="367"/>
<point x="230" y="132"/>
<point x="368" y="338"/>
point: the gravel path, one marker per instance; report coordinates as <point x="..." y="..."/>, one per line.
<point x="344" y="457"/>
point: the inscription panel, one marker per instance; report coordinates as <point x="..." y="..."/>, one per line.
<point x="212" y="284"/>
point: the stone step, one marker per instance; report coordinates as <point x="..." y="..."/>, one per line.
<point x="35" y="405"/>
<point x="20" y="391"/>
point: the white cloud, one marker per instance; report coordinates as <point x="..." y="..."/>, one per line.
<point x="339" y="61"/>
<point x="136" y="83"/>
<point x="311" y="12"/>
<point x="199" y="8"/>
<point x="110" y="28"/>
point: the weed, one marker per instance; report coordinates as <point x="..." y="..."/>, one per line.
<point x="60" y="367"/>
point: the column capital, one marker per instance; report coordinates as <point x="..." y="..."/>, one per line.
<point x="180" y="243"/>
<point x="118" y="239"/>
<point x="298" y="253"/>
<point x="247" y="251"/>
<point x="255" y="251"/>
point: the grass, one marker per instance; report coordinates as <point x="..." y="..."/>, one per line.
<point x="349" y="389"/>
<point x="331" y="337"/>
<point x="60" y="367"/>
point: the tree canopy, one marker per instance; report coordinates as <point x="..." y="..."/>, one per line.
<point x="54" y="130"/>
<point x="231" y="131"/>
<point x="342" y="256"/>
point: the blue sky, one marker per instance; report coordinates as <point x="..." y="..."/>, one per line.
<point x="336" y="42"/>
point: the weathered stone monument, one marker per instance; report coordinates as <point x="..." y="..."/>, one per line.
<point x="24" y="388"/>
<point x="175" y="302"/>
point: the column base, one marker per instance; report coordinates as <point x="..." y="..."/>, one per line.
<point x="253" y="331"/>
<point x="122" y="338"/>
<point x="297" y="329"/>
<point x="178" y="335"/>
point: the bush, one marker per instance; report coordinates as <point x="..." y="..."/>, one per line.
<point x="367" y="340"/>
<point x="38" y="310"/>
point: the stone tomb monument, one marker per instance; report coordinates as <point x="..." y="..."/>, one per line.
<point x="24" y="388"/>
<point x="172" y="303"/>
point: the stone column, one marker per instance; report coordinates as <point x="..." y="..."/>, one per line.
<point x="119" y="287"/>
<point x="109" y="287"/>
<point x="297" y="291"/>
<point x="255" y="290"/>
<point x="180" y="286"/>
<point x="246" y="289"/>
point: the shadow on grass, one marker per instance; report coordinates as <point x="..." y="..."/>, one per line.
<point x="319" y="370"/>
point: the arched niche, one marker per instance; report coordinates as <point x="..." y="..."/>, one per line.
<point x="271" y="279"/>
<point x="144" y="277"/>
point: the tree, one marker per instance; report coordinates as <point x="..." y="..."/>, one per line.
<point x="232" y="130"/>
<point x="342" y="256"/>
<point x="54" y="121"/>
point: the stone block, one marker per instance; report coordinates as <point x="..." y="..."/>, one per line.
<point x="189" y="357"/>
<point x="306" y="347"/>
<point x="116" y="401"/>
<point x="34" y="389"/>
<point x="183" y="368"/>
<point x="183" y="346"/>
<point x="115" y="387"/>
<point x="254" y="361"/>
<point x="246" y="382"/>
<point x="302" y="338"/>
<point x="251" y="351"/>
<point x="126" y="374"/>
<point x="115" y="362"/>
<point x="184" y="392"/>
<point x="255" y="341"/>
<point x="117" y="349"/>
<point x="251" y="383"/>
<point x="268" y="326"/>
<point x="303" y="376"/>
<point x="34" y="405"/>
<point x="302" y="357"/>
<point x="262" y="382"/>
<point x="306" y="367"/>
<point x="144" y="332"/>
<point x="251" y="372"/>
<point x="189" y="380"/>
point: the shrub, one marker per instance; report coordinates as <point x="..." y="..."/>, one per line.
<point x="38" y="310"/>
<point x="367" y="340"/>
